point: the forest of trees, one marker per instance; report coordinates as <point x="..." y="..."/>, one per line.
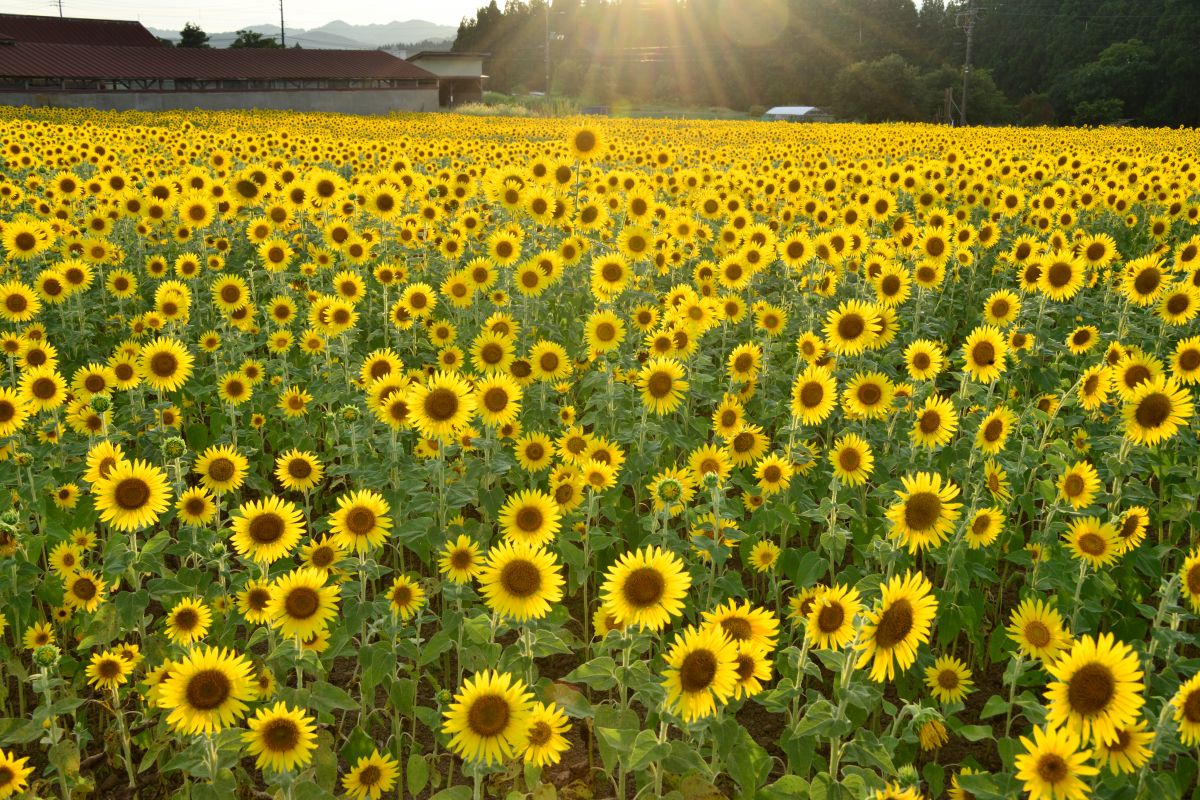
<point x="1035" y="61"/>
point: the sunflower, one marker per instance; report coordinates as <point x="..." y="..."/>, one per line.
<point x="490" y="717"/>
<point x="14" y="775"/>
<point x="924" y="359"/>
<point x="1092" y="541"/>
<point x="1094" y="385"/>
<point x="520" y="581"/>
<point x="371" y="776"/>
<point x="65" y="559"/>
<point x="852" y="327"/>
<point x="281" y="738"/>
<point x="868" y="394"/>
<point x="221" y="469"/>
<point x="1133" y="369"/>
<point x="984" y="352"/>
<point x="534" y="451"/>
<point x="301" y="604"/>
<point x="1062" y="275"/>
<point x="1082" y="339"/>
<point x="1079" y="484"/>
<point x="531" y="517"/>
<point x="1097" y="688"/>
<point x="252" y="601"/>
<point x="322" y="554"/>
<point x="265" y="531"/>
<point x="852" y="459"/>
<point x="646" y="588"/>
<point x="985" y="527"/>
<point x="1053" y="765"/>
<point x="814" y="393"/>
<point x="38" y="635"/>
<point x="764" y="555"/>
<point x="1002" y="308"/>
<point x="405" y="596"/>
<point x="460" y="561"/>
<point x="1038" y="629"/>
<point x="1187" y="711"/>
<point x="1129" y="752"/>
<point x="165" y="364"/>
<point x="701" y="672"/>
<point x="188" y="621"/>
<point x="207" y="691"/>
<point x="196" y="506"/>
<point x="499" y="399"/>
<point x="1155" y="409"/>
<point x="361" y="521"/>
<point x="13" y="412"/>
<point x="662" y="385"/>
<point x="890" y="635"/>
<point x="1143" y="280"/>
<point x="132" y="496"/>
<point x="298" y="470"/>
<point x="442" y="406"/>
<point x="829" y="621"/>
<point x="936" y="423"/>
<point x="545" y="740"/>
<point x="994" y="430"/>
<point x="106" y="670"/>
<point x="949" y="679"/>
<point x="1185" y="361"/>
<point x="586" y="144"/>
<point x="743" y="623"/>
<point x="925" y="513"/>
<point x="42" y="388"/>
<point x="1132" y="530"/>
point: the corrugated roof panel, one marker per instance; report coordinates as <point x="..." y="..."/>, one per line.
<point x="23" y="60"/>
<point x="73" y="30"/>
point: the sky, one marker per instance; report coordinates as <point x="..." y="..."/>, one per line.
<point x="230" y="15"/>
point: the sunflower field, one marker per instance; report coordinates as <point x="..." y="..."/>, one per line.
<point x="452" y="457"/>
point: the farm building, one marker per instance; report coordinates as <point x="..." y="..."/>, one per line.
<point x="797" y="114"/>
<point x="52" y="61"/>
<point x="460" y="75"/>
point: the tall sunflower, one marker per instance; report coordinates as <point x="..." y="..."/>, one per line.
<point x="530" y="516"/>
<point x="925" y="513"/>
<point x="441" y="406"/>
<point x="984" y="352"/>
<point x="281" y="738"/>
<point x="188" y="621"/>
<point x="361" y="521"/>
<point x="1092" y="541"/>
<point x="701" y="672"/>
<point x="830" y="618"/>
<point x="520" y="581"/>
<point x="1155" y="410"/>
<point x="1187" y="711"/>
<point x="852" y="459"/>
<point x="132" y="496"/>
<point x="165" y="364"/>
<point x="460" y="561"/>
<point x="266" y="530"/>
<point x="1097" y="688"/>
<point x="936" y="423"/>
<point x="851" y="327"/>
<point x="1038" y="630"/>
<point x="14" y="775"/>
<point x="489" y="718"/>
<point x="890" y="635"/>
<point x="948" y="679"/>
<point x="545" y="739"/>
<point x="298" y="470"/>
<point x="814" y="393"/>
<point x="207" y="691"/>
<point x="646" y="588"/>
<point x="301" y="604"/>
<point x="221" y="468"/>
<point x="1053" y="765"/>
<point x="662" y="385"/>
<point x="1079" y="484"/>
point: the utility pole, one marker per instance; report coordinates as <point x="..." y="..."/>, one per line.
<point x="60" y="11"/>
<point x="282" y="32"/>
<point x="966" y="21"/>
<point x="547" y="48"/>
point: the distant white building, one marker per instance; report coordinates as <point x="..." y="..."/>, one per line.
<point x="460" y="75"/>
<point x="797" y="114"/>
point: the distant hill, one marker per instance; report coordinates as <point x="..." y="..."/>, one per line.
<point x="338" y="35"/>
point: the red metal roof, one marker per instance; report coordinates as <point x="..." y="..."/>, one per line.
<point x="25" y="60"/>
<point x="72" y="30"/>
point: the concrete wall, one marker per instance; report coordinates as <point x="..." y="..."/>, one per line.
<point x="345" y="101"/>
<point x="451" y="66"/>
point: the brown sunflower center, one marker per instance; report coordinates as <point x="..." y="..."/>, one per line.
<point x="1191" y="706"/>
<point x="266" y="528"/>
<point x="1059" y="274"/>
<point x="221" y="469"/>
<point x="299" y="468"/>
<point x="1074" y="485"/>
<point x="895" y="623"/>
<point x="44" y="388"/>
<point x="1091" y="689"/>
<point x="644" y="587"/>
<point x="1147" y="281"/>
<point x="1093" y="544"/>
<point x="930" y="422"/>
<point x="322" y="556"/>
<point x="851" y="326"/>
<point x="132" y="494"/>
<point x="186" y="619"/>
<point x="208" y="689"/>
<point x="698" y="670"/>
<point x="521" y="578"/>
<point x="108" y="669"/>
<point x="529" y="518"/>
<point x="737" y="628"/>
<point x="921" y="361"/>
<point x="947" y="679"/>
<point x="539" y="734"/>
<point x="890" y="285"/>
<point x="812" y="394"/>
<point x="1189" y="359"/>
<point x="441" y="404"/>
<point x="488" y="715"/>
<point x="1052" y="769"/>
<point x="302" y="602"/>
<point x="94" y="383"/>
<point x="869" y="394"/>
<point x="360" y="520"/>
<point x="164" y="365"/>
<point x="257" y="599"/>
<point x="370" y="775"/>
<point x="983" y="353"/>
<point x="849" y="459"/>
<point x="1037" y="634"/>
<point x="84" y="588"/>
<point x="830" y="617"/>
<point x="1153" y="410"/>
<point x="280" y="735"/>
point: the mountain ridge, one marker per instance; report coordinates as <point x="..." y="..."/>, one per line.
<point x="340" y="35"/>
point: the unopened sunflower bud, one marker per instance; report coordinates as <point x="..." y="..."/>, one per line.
<point x="101" y="403"/>
<point x="174" y="447"/>
<point x="46" y="656"/>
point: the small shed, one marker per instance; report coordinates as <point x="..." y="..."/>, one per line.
<point x="460" y="75"/>
<point x="797" y="114"/>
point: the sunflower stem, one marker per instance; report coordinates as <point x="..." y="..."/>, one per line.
<point x="1012" y="692"/>
<point x="126" y="750"/>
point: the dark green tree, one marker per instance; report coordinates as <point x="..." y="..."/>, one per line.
<point x="253" y="39"/>
<point x="193" y="36"/>
<point x="878" y="91"/>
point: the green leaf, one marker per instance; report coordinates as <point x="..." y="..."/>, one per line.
<point x="789" y="787"/>
<point x="646" y="750"/>
<point x="416" y="774"/>
<point x="359" y="744"/>
<point x="453" y="793"/>
<point x="307" y="790"/>
<point x="327" y="697"/>
<point x="975" y="733"/>
<point x="749" y="764"/>
<point x="18" y="731"/>
<point x="599" y="673"/>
